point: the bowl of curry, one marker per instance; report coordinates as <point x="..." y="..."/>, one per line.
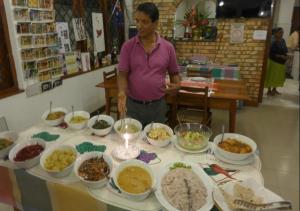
<point x="235" y="146"/>
<point x="135" y="179"/>
<point x="55" y="117"/>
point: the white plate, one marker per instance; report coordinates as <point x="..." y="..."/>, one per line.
<point x="247" y="161"/>
<point x="259" y="190"/>
<point x="191" y="151"/>
<point x="198" y="79"/>
<point x="202" y="175"/>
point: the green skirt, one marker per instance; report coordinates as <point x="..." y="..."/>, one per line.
<point x="275" y="76"/>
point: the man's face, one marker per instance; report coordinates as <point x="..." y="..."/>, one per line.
<point x="144" y="24"/>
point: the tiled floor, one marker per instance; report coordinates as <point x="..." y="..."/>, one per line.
<point x="274" y="125"/>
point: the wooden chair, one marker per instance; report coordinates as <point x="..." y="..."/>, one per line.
<point x="110" y="94"/>
<point x="199" y="73"/>
<point x="194" y="109"/>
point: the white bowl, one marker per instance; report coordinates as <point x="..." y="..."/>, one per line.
<point x="101" y="132"/>
<point x="77" y="126"/>
<point x="159" y="143"/>
<point x="57" y="174"/>
<point x="131" y="121"/>
<point x="231" y="155"/>
<point x="87" y="156"/>
<point x="10" y="135"/>
<point x="140" y="196"/>
<point x="30" y="162"/>
<point x="56" y="121"/>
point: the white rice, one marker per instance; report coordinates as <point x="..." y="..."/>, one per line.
<point x="175" y="189"/>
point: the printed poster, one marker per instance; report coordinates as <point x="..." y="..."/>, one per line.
<point x="237" y="33"/>
<point x="98" y="32"/>
<point x="62" y="30"/>
<point x="79" y="29"/>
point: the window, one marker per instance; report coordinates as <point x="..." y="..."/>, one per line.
<point x="8" y="78"/>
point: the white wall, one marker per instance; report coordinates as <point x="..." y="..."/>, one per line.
<point x="22" y="112"/>
<point x="284" y="16"/>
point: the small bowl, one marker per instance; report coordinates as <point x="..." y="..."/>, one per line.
<point x="10" y="135"/>
<point x="232" y="155"/>
<point x="192" y="144"/>
<point x="77" y="126"/>
<point x="30" y="162"/>
<point x="128" y="163"/>
<point x="57" y="174"/>
<point x="54" y="122"/>
<point x="87" y="156"/>
<point x="101" y="132"/>
<point x="158" y="142"/>
<point x="130" y="121"/>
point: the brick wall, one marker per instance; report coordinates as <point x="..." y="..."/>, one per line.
<point x="249" y="55"/>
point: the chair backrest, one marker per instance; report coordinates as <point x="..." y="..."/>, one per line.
<point x="192" y="98"/>
<point x="199" y="73"/>
<point x="110" y="74"/>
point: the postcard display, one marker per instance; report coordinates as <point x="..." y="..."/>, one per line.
<point x="38" y="42"/>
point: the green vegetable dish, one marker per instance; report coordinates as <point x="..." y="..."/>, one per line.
<point x="4" y="143"/>
<point x="193" y="140"/>
<point x="179" y="165"/>
<point x="101" y="124"/>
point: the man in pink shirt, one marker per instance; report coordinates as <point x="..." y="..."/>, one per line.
<point x="144" y="62"/>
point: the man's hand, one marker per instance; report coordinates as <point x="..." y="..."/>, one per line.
<point x="172" y="88"/>
<point x="122" y="104"/>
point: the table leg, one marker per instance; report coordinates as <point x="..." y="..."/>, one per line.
<point x="232" y="116"/>
<point x="107" y="105"/>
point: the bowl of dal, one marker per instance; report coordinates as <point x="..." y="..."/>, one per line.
<point x="77" y="121"/>
<point x="135" y="179"/>
<point x="55" y="117"/>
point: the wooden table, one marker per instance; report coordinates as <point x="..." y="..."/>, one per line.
<point x="225" y="97"/>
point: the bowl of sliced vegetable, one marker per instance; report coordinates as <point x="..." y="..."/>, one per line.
<point x="192" y="136"/>
<point x="101" y="125"/>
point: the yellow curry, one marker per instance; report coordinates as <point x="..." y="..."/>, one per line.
<point x="134" y="180"/>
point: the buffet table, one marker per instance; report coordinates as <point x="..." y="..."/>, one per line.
<point x="34" y="188"/>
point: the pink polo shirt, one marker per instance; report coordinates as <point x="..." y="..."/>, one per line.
<point x="147" y="72"/>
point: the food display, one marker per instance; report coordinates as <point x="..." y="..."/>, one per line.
<point x="235" y="146"/>
<point x="159" y="134"/>
<point x="135" y="180"/>
<point x="55" y="115"/>
<point x="77" y="119"/>
<point x="59" y="159"/>
<point x="192" y="140"/>
<point x="243" y="193"/>
<point x="101" y="124"/>
<point x="130" y="128"/>
<point x="28" y="152"/>
<point x="4" y="143"/>
<point x="94" y="169"/>
<point x="183" y="188"/>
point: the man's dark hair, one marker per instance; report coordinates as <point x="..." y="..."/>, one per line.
<point x="150" y="9"/>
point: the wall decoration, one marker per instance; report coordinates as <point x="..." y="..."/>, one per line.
<point x="62" y="30"/>
<point x="237" y="33"/>
<point x="79" y="29"/>
<point x="98" y="32"/>
<point x="85" y="61"/>
<point x="260" y="35"/>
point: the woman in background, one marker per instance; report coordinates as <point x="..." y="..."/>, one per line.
<point x="276" y="64"/>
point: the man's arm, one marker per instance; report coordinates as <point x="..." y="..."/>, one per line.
<point x="122" y="87"/>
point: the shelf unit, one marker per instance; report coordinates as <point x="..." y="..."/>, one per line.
<point x="37" y="40"/>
